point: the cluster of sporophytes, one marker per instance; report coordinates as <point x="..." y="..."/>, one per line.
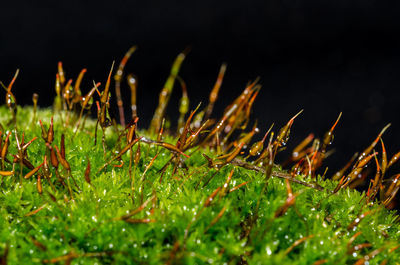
<point x="209" y="193"/>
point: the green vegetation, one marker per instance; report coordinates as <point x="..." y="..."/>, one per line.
<point x="201" y="196"/>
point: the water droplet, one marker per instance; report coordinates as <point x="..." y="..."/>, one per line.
<point x="268" y="250"/>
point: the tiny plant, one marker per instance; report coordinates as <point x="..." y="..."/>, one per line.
<point x="208" y="192"/>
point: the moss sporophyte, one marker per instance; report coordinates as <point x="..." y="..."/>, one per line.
<point x="211" y="192"/>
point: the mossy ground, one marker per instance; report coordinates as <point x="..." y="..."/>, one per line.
<point x="87" y="227"/>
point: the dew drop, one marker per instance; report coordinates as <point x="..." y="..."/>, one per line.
<point x="268" y="250"/>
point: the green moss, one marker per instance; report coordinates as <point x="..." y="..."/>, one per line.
<point x="88" y="228"/>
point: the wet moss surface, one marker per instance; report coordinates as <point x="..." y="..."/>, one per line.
<point x="75" y="190"/>
<point x="183" y="216"/>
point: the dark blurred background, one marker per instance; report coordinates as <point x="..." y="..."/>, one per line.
<point x="323" y="56"/>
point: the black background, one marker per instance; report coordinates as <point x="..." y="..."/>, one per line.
<point x="323" y="56"/>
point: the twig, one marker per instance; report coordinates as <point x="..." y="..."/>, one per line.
<point x="244" y="164"/>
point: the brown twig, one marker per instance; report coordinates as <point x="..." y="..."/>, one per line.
<point x="282" y="175"/>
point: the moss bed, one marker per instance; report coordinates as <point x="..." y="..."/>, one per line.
<point x="142" y="197"/>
